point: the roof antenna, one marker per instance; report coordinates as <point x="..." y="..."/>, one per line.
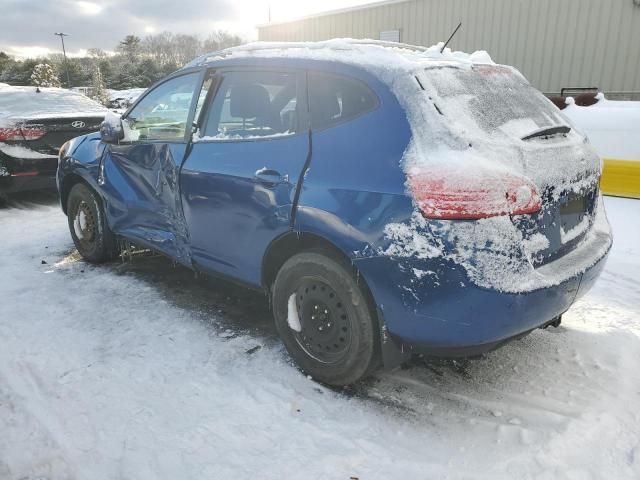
<point x="447" y="42"/>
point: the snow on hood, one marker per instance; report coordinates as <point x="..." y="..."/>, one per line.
<point x="22" y="103"/>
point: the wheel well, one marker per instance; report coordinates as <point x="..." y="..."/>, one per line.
<point x="293" y="243"/>
<point x="67" y="184"/>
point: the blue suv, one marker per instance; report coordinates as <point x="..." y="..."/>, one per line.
<point x="389" y="199"/>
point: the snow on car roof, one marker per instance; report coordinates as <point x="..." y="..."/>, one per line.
<point x="365" y="52"/>
<point x="21" y="103"/>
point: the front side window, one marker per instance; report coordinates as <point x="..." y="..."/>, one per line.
<point x="162" y="113"/>
<point x="253" y="105"/>
<point x="334" y="99"/>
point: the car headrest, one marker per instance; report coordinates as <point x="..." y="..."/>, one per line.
<point x="248" y="100"/>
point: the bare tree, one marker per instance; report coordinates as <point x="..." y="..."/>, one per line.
<point x="219" y="40"/>
<point x="130" y="46"/>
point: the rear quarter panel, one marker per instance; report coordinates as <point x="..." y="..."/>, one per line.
<point x="355" y="184"/>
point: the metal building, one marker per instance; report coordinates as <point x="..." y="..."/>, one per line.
<point x="554" y="43"/>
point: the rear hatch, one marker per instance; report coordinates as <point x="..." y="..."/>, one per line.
<point x="35" y="123"/>
<point x="500" y="124"/>
<point x="56" y="131"/>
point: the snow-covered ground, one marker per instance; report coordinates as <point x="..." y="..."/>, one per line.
<point x="139" y="371"/>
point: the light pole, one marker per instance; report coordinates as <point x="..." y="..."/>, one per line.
<point x="64" y="53"/>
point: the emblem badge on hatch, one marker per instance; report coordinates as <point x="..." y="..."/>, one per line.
<point x="77" y="124"/>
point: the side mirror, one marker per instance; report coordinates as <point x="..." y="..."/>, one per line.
<point x="111" y="130"/>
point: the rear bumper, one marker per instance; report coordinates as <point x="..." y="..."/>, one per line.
<point x="15" y="184"/>
<point x="430" y="306"/>
<point x="25" y="174"/>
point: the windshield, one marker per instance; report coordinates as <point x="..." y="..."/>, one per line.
<point x="492" y="98"/>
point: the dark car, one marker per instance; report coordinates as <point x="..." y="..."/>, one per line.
<point x="34" y="124"/>
<point x="388" y="199"/>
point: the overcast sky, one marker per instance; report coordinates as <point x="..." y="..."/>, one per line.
<point x="27" y="26"/>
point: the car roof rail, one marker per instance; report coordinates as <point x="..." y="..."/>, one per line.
<point x="335" y="44"/>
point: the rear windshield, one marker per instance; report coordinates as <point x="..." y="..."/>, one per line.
<point x="26" y="102"/>
<point x="492" y="98"/>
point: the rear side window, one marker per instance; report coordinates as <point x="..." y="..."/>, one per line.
<point x="253" y="105"/>
<point x="334" y="99"/>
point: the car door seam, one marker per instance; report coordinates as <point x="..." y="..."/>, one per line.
<point x="303" y="173"/>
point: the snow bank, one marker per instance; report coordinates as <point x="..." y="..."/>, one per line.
<point x="613" y="127"/>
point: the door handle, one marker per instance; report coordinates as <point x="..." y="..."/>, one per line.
<point x="267" y="175"/>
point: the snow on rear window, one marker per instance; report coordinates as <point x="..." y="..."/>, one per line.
<point x="493" y="98"/>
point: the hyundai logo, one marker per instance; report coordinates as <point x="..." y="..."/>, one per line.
<point x="77" y="124"/>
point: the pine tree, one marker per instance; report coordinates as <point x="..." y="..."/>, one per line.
<point x="98" y="91"/>
<point x="44" y="76"/>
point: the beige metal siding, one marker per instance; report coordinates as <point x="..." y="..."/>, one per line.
<point x="555" y="43"/>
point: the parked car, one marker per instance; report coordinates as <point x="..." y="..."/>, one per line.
<point x="120" y="100"/>
<point x="34" y="124"/>
<point x="389" y="199"/>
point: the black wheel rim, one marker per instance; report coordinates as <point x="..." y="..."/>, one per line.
<point x="84" y="225"/>
<point x="325" y="325"/>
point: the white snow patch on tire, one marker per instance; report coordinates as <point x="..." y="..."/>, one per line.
<point x="292" y="314"/>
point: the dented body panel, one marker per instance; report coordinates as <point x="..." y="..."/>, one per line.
<point x="141" y="187"/>
<point x="233" y="207"/>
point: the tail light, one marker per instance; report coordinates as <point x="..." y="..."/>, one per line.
<point x="469" y="197"/>
<point x="21" y="133"/>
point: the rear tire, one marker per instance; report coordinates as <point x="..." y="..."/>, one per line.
<point x="91" y="235"/>
<point x="336" y="341"/>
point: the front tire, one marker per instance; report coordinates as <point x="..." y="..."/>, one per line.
<point x="324" y="319"/>
<point x="91" y="235"/>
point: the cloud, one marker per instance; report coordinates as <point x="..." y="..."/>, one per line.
<point x="27" y="26"/>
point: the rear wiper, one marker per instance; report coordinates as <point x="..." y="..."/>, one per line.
<point x="545" y="132"/>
